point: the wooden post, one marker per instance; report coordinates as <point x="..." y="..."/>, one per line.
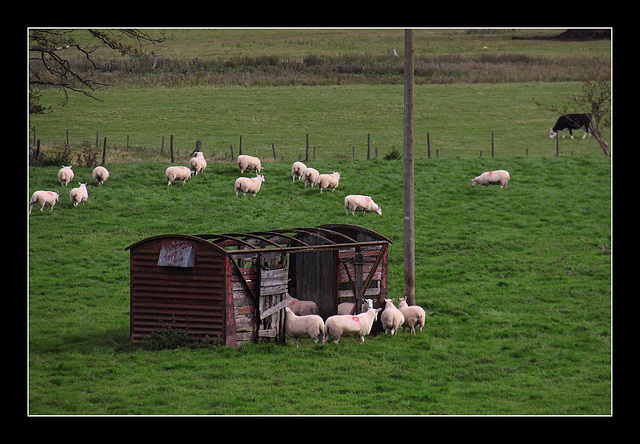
<point x="96" y="138"/>
<point x="240" y="147"/>
<point x="354" y="153"/>
<point x="409" y="240"/>
<point x="67" y="144"/>
<point x="480" y="153"/>
<point x="314" y="152"/>
<point x="171" y="147"/>
<point x="273" y="148"/>
<point x="368" y="146"/>
<point x="557" y="145"/>
<point x="127" y="141"/>
<point x="162" y="146"/>
<point x="376" y="152"/>
<point x="527" y="152"/>
<point x="104" y="151"/>
<point x="231" y="148"/>
<point x="306" y="156"/>
<point x="37" y="149"/>
<point x="428" y="145"/>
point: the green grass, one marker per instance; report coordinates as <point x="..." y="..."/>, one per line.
<point x="516" y="284"/>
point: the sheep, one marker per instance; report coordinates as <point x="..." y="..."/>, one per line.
<point x="177" y="173"/>
<point x="347" y="307"/>
<point x="297" y="169"/>
<point x="413" y="315"/>
<point x="326" y="181"/>
<point x="307" y="326"/>
<point x="248" y="185"/>
<point x="65" y="175"/>
<point x="354" y="202"/>
<point x="498" y="177"/>
<point x="198" y="163"/>
<point x="100" y="174"/>
<point x="310" y="177"/>
<point x="301" y="308"/>
<point x="44" y="198"/>
<point x="359" y="325"/>
<point x="391" y="318"/>
<point x="79" y="195"/>
<point x="246" y="162"/>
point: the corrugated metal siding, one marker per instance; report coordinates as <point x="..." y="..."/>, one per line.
<point x="190" y="299"/>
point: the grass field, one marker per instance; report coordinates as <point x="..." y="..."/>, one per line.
<point x="516" y="282"/>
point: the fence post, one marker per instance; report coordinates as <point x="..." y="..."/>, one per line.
<point x="306" y="156"/>
<point x="96" y="138"/>
<point x="231" y="148"/>
<point x="376" y="149"/>
<point x="67" y="144"/>
<point x="368" y="146"/>
<point x="314" y="152"/>
<point x="273" y="148"/>
<point x="104" y="151"/>
<point x="428" y="145"/>
<point x="240" y="147"/>
<point x="557" y="145"/>
<point x="492" y="145"/>
<point x="354" y="153"/>
<point x="162" y="146"/>
<point x="171" y="147"/>
<point x="127" y="141"/>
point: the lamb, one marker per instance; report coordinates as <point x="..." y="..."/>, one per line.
<point x="354" y="202"/>
<point x="307" y="326"/>
<point x="326" y="181"/>
<point x="44" y="198"/>
<point x="79" y="195"/>
<point x="198" y="163"/>
<point x="301" y="308"/>
<point x="359" y="325"/>
<point x="178" y="173"/>
<point x="246" y="162"/>
<point x="391" y="318"/>
<point x="297" y="169"/>
<point x="498" y="177"/>
<point x="413" y="315"/>
<point x="310" y="177"/>
<point x="65" y="175"/>
<point x="248" y="185"/>
<point x="100" y="174"/>
<point x="347" y="307"/>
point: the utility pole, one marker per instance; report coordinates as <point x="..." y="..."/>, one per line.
<point x="409" y="238"/>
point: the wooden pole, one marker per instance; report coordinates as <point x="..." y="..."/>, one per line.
<point x="492" y="145"/>
<point x="240" y="147"/>
<point x="273" y="148"/>
<point x="409" y="239"/>
<point x="306" y="155"/>
<point x="368" y="146"/>
<point x="104" y="150"/>
<point x="428" y="145"/>
<point x="171" y="147"/>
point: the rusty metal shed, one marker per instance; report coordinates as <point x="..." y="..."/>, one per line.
<point x="231" y="287"/>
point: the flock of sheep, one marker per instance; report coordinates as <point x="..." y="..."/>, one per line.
<point x="303" y="321"/>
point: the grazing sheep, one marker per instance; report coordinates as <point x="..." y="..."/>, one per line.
<point x="65" y="175"/>
<point x="297" y="169"/>
<point x="307" y="326"/>
<point x="346" y="307"/>
<point x="391" y="317"/>
<point x="246" y="162"/>
<point x="310" y="177"/>
<point x="198" y="163"/>
<point x="44" y="198"/>
<point x="79" y="195"/>
<point x="178" y="173"/>
<point x="100" y="174"/>
<point x="498" y="177"/>
<point x="413" y="315"/>
<point x="326" y="181"/>
<point x="248" y="185"/>
<point x="359" y="325"/>
<point x="301" y="308"/>
<point x="571" y="122"/>
<point x="354" y="202"/>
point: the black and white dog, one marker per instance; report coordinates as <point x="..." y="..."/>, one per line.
<point x="569" y="122"/>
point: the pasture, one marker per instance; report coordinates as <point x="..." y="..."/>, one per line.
<point x="516" y="282"/>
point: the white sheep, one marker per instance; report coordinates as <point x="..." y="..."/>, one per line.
<point x="100" y="174"/>
<point x="413" y="315"/>
<point x="310" y="177"/>
<point x="346" y="307"/>
<point x="44" y="198"/>
<point x="359" y="325"/>
<point x="326" y="181"/>
<point x="79" y="195"/>
<point x="498" y="177"/>
<point x="246" y="162"/>
<point x="391" y="317"/>
<point x="177" y="173"/>
<point x="198" y="163"/>
<point x="65" y="175"/>
<point x="354" y="202"/>
<point x="248" y="185"/>
<point x="301" y="308"/>
<point x="307" y="326"/>
<point x="297" y="169"/>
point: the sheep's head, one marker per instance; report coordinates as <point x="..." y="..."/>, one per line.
<point x="474" y="182"/>
<point x="379" y="211"/>
<point x="552" y="133"/>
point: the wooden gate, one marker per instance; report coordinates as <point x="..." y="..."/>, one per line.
<point x="272" y="299"/>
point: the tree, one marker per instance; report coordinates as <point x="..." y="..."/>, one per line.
<point x="51" y="52"/>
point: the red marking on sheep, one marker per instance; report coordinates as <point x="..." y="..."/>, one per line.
<point x="355" y="318"/>
<point x="50" y="193"/>
<point x="490" y="173"/>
